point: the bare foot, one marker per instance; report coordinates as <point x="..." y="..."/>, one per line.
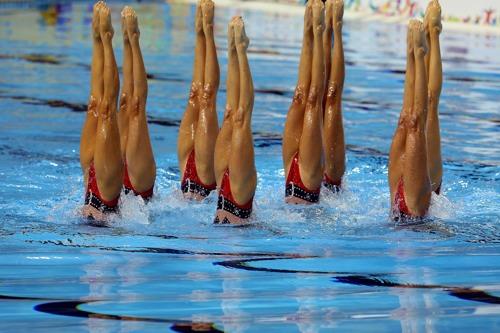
<point x="338" y="13"/>
<point x="432" y="19"/>
<point x="240" y="36"/>
<point x="419" y="41"/>
<point x="198" y="19"/>
<point x="95" y="20"/>
<point x="105" y="27"/>
<point x="207" y="9"/>
<point x="308" y="18"/>
<point x="131" y="24"/>
<point x="318" y="14"/>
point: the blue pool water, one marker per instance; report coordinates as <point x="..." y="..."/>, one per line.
<point x="341" y="265"/>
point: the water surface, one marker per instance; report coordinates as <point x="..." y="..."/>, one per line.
<point x="340" y="265"/>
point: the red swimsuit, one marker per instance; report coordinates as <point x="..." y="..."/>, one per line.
<point x="127" y="184"/>
<point x="227" y="203"/>
<point x="191" y="182"/>
<point x="331" y="185"/>
<point x="399" y="200"/>
<point x="93" y="196"/>
<point x="295" y="187"/>
<point x="400" y="206"/>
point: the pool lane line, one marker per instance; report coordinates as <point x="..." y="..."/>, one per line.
<point x="465" y="293"/>
<point x="54" y="103"/>
<point x="243" y="265"/>
<point x="82" y="107"/>
<point x="163" y="250"/>
<point x="37" y="58"/>
<point x="83" y="234"/>
<point x="369" y="280"/>
<point x="23" y="298"/>
<point x="69" y="308"/>
<point x="60" y="59"/>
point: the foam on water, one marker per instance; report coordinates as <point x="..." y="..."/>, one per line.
<point x="361" y="207"/>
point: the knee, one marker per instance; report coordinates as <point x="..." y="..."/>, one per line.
<point x="92" y="105"/>
<point x="104" y="107"/>
<point x="411" y="122"/>
<point x="135" y="105"/>
<point x="123" y="102"/>
<point x="195" y="90"/>
<point x="228" y="112"/>
<point x="332" y="92"/>
<point x="403" y="119"/>
<point x="298" y="96"/>
<point x="239" y="117"/>
<point x="415" y="123"/>
<point x="312" y="98"/>
<point x="208" y="92"/>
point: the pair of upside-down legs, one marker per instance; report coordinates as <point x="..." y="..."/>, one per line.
<point x="415" y="166"/>
<point x="113" y="142"/>
<point x="199" y="126"/>
<point x="205" y="154"/>
<point x="313" y="127"/>
<point x="234" y="152"/>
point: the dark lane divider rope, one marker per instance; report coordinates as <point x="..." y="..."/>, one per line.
<point x="69" y="308"/>
<point x="370" y="280"/>
<point x="469" y="294"/>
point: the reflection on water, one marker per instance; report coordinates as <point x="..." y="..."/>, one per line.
<point x="339" y="265"/>
<point x="416" y="306"/>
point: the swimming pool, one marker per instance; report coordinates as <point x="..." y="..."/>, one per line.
<point x="341" y="265"/>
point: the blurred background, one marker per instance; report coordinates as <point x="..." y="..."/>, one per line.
<point x="478" y="12"/>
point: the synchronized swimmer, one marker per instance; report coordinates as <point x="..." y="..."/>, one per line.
<point x="115" y="149"/>
<point x="116" y="152"/>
